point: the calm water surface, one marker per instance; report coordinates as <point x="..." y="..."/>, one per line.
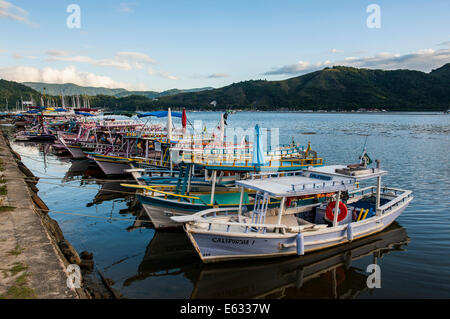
<point x="414" y="254"/>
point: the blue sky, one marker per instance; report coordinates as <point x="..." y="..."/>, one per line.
<point x="158" y="45"/>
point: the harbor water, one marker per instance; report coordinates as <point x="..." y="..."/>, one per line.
<point x="413" y="254"/>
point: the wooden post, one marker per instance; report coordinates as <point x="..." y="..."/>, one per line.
<point x="189" y="179"/>
<point x="377" y="203"/>
<point x="336" y="209"/>
<point x="280" y="213"/>
<point x="241" y="200"/>
<point x="170" y="159"/>
<point x="334" y="283"/>
<point x="213" y="186"/>
<point x="146" y="149"/>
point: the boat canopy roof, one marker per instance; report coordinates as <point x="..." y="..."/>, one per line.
<point x="160" y="114"/>
<point x="358" y="173"/>
<point x="297" y="185"/>
<point x="83" y="113"/>
<point x="314" y="180"/>
<point x="123" y="113"/>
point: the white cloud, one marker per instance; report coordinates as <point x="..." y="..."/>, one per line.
<point x="122" y="60"/>
<point x="422" y="60"/>
<point x="336" y="51"/>
<point x="10" y="11"/>
<point x="126" y="7"/>
<point x="445" y="44"/>
<point x="299" y="67"/>
<point x="136" y="57"/>
<point x="161" y="74"/>
<point x="67" y="75"/>
<point x="58" y="52"/>
<point x="218" y="75"/>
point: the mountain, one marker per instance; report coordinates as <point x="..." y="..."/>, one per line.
<point x="443" y="73"/>
<point x="339" y="88"/>
<point x="13" y="92"/>
<point x="73" y="89"/>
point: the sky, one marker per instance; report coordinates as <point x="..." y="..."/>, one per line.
<point x="160" y="45"/>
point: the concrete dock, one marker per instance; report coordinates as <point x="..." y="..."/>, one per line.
<point x="31" y="263"/>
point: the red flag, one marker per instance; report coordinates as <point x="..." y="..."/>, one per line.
<point x="183" y="118"/>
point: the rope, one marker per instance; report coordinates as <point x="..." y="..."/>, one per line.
<point x="75" y="186"/>
<point x="93" y="216"/>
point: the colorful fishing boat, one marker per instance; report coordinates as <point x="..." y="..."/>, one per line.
<point x="220" y="173"/>
<point x="349" y="213"/>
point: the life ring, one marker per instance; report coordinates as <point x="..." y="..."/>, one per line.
<point x="329" y="213"/>
<point x="288" y="201"/>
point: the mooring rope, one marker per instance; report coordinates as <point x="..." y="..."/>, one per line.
<point x="74" y="186"/>
<point x="93" y="216"/>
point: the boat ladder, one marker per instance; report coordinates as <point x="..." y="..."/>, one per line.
<point x="260" y="208"/>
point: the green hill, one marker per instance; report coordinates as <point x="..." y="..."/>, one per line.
<point x="13" y="92"/>
<point x="339" y="88"/>
<point x="73" y="89"/>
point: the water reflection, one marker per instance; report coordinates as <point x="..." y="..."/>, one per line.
<point x="325" y="274"/>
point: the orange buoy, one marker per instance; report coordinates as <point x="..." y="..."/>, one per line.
<point x="329" y="213"/>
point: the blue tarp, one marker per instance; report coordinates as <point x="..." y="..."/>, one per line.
<point x="161" y="114"/>
<point x="258" y="153"/>
<point x="61" y="110"/>
<point x="83" y="113"/>
<point x="33" y="111"/>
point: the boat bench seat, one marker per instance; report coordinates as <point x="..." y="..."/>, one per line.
<point x="288" y="220"/>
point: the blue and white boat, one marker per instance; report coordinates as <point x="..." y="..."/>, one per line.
<point x="348" y="214"/>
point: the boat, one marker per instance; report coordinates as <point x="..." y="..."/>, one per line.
<point x="222" y="166"/>
<point x="322" y="274"/>
<point x="348" y="213"/>
<point x="332" y="273"/>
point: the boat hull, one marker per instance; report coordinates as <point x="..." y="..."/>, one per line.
<point x="220" y="246"/>
<point x="76" y="152"/>
<point x="160" y="217"/>
<point x="160" y="210"/>
<point x="112" y="168"/>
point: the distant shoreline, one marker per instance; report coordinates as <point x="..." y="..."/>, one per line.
<point x="318" y="112"/>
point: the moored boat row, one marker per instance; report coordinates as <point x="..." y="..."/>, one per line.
<point x="233" y="200"/>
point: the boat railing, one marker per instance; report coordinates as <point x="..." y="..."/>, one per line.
<point x="149" y="161"/>
<point x="207" y="215"/>
<point x="246" y="161"/>
<point x="151" y="190"/>
<point x="322" y="185"/>
<point x="253" y="227"/>
<point x="263" y="175"/>
<point x="400" y="196"/>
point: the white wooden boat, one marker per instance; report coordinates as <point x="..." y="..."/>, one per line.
<point x="220" y="234"/>
<point x="323" y="274"/>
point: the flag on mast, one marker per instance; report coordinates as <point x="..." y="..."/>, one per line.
<point x="365" y="159"/>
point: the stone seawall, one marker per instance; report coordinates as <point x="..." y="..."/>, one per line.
<point x="33" y="252"/>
